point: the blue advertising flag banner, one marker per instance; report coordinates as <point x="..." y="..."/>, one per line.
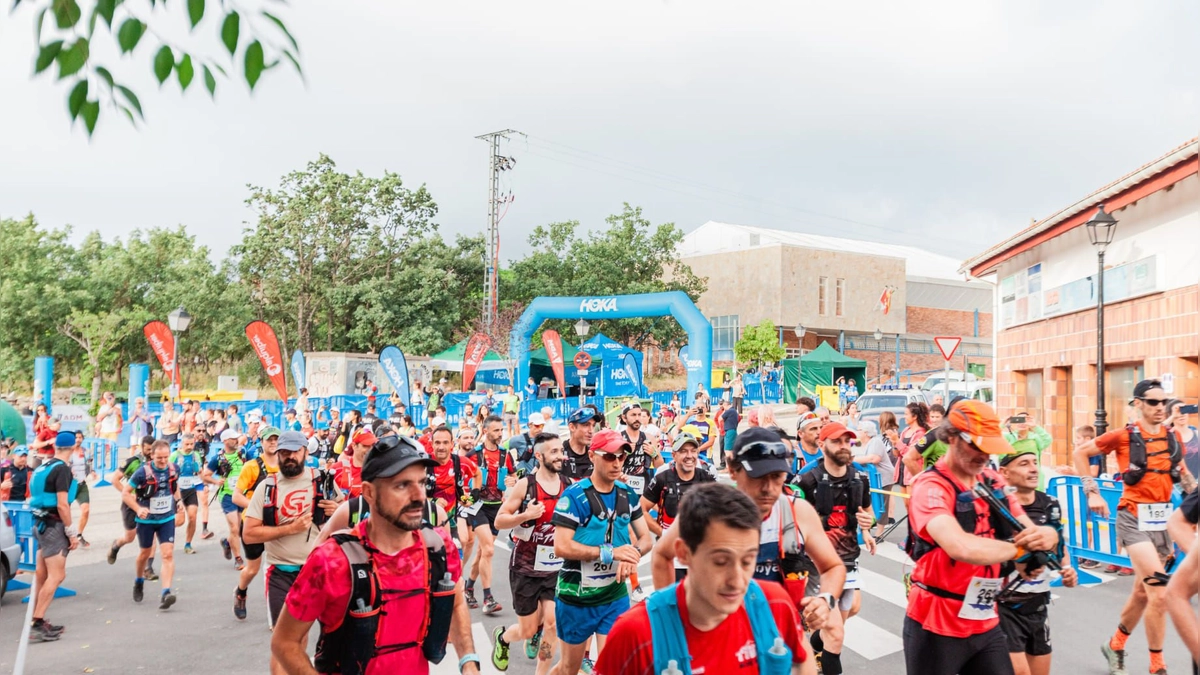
<point x="635" y="374"/>
<point x="298" y="372"/>
<point x="396" y="368"/>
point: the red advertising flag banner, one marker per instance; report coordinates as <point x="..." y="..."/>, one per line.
<point x="554" y="350"/>
<point x="477" y="349"/>
<point x="163" y="344"/>
<point x="266" y="347"/>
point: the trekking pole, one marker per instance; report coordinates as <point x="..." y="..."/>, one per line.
<point x="23" y="645"/>
<point x="983" y="492"/>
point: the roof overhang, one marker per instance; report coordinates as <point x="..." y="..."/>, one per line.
<point x="1160" y="174"/>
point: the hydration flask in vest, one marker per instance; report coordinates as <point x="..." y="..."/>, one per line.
<point x="441" y="600"/>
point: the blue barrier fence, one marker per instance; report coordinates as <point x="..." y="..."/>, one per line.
<point x="22" y="520"/>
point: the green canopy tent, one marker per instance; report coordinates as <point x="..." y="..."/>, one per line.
<point x="540" y="368"/>
<point x="451" y="360"/>
<point x="12" y="425"/>
<point x="820" y="367"/>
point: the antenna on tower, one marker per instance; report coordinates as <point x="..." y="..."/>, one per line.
<point x="491" y="266"/>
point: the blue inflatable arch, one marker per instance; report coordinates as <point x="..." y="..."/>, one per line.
<point x="675" y="303"/>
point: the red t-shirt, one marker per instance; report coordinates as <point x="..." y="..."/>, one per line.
<point x="728" y="649"/>
<point x="322" y="591"/>
<point x="932" y="496"/>
<point x="349" y="479"/>
<point x="443" y="476"/>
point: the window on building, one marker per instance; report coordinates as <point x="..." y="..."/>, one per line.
<point x="1032" y="401"/>
<point x="822" y="295"/>
<point x="1119" y="391"/>
<point x="839" y="297"/>
<point x="725" y="336"/>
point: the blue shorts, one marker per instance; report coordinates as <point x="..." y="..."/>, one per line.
<point x="164" y="531"/>
<point x="228" y="506"/>
<point x="577" y="623"/>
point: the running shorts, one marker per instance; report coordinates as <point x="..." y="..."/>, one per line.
<point x="529" y="591"/>
<point x="1129" y="534"/>
<point x="928" y="653"/>
<point x="164" y="531"/>
<point x="128" y="518"/>
<point x="52" y="540"/>
<point x="1027" y="633"/>
<point x="189" y="497"/>
<point x="250" y="551"/>
<point x="278" y="582"/>
<point x="486" y="516"/>
<point x="81" y="493"/>
<point x="576" y="623"/>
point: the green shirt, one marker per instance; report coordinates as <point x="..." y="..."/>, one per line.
<point x="512" y="403"/>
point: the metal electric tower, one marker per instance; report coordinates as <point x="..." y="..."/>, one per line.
<point x="491" y="267"/>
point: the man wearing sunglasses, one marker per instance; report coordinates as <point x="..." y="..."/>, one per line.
<point x="666" y="489"/>
<point x="577" y="460"/>
<point x="1149" y="456"/>
<point x="600" y="535"/>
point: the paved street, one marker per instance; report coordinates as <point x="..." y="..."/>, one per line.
<point x="108" y="633"/>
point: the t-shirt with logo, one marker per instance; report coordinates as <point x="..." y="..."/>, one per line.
<point x="161" y="503"/>
<point x="444" y="482"/>
<point x="293" y="497"/>
<point x="322" y="592"/>
<point x="727" y="649"/>
<point x="590" y="582"/>
<point x="493" y="488"/>
<point x="1153" y="488"/>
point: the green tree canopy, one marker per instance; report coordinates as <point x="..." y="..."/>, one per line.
<point x="759" y="344"/>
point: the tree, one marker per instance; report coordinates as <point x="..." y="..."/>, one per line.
<point x="499" y="333"/>
<point x="759" y="344"/>
<point x="629" y="256"/>
<point x="66" y="33"/>
<point x="97" y="334"/>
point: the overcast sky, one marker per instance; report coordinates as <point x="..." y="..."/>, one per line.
<point x="948" y="124"/>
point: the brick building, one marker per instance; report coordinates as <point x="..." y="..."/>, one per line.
<point x="833" y="288"/>
<point x="1045" y="298"/>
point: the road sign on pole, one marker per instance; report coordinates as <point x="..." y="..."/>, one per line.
<point x="947" y="346"/>
<point x="582" y="360"/>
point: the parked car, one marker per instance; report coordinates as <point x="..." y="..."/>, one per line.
<point x="891" y="397"/>
<point x="936" y="380"/>
<point x="10" y="551"/>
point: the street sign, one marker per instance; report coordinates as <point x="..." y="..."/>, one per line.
<point x="947" y="346"/>
<point x="583" y="360"/>
<point x="583" y="372"/>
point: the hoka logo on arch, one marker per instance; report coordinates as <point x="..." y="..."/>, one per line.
<point x="598" y="305"/>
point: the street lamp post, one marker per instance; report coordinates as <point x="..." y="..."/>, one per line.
<point x="178" y="321"/>
<point x="1101" y="229"/>
<point x="581" y="329"/>
<point x="878" y="356"/>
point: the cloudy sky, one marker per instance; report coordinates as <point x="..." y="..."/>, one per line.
<point x="950" y="124"/>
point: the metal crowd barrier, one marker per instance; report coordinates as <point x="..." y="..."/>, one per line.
<point x="104" y="458"/>
<point x="22" y="521"/>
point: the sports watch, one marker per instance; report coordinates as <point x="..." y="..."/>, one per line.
<point x="828" y="598"/>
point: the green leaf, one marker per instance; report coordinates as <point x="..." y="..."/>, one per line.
<point x="105" y="74"/>
<point x="129" y="34"/>
<point x="72" y="60"/>
<point x="38" y="25"/>
<point x="210" y="82"/>
<point x="164" y="61"/>
<point x="185" y="72"/>
<point x="295" y="63"/>
<point x="77" y="98"/>
<point x="195" y="11"/>
<point x="279" y="22"/>
<point x="66" y="12"/>
<point x="46" y="55"/>
<point x="106" y="9"/>
<point x="129" y="115"/>
<point x="254" y="62"/>
<point x="90" y="112"/>
<point x="133" y="100"/>
<point x="229" y="32"/>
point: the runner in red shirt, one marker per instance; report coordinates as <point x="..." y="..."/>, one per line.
<point x="349" y="476"/>
<point x="453" y="477"/>
<point x="951" y="625"/>
<point x="718" y="616"/>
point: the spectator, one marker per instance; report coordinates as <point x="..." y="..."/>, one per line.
<point x="729" y="429"/>
<point x="14" y="478"/>
<point x="739" y="393"/>
<point x="1187" y="435"/>
<point x="169" y="423"/>
<point x="233" y="419"/>
<point x="141" y="424"/>
<point x="851" y="392"/>
<point x="40" y="418"/>
<point x="108" y="417"/>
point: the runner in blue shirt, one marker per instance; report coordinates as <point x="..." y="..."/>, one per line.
<point x="153" y="494"/>
<point x="188" y="465"/>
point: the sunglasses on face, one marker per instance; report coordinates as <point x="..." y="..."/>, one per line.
<point x="612" y="456"/>
<point x="1154" y="402"/>
<point x="766" y="449"/>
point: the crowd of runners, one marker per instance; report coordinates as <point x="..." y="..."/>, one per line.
<point x="385" y="535"/>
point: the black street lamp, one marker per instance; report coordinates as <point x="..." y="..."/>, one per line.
<point x="1101" y="229"/>
<point x="178" y="321"/>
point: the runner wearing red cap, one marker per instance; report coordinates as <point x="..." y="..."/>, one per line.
<point x="349" y="477"/>
<point x="958" y="542"/>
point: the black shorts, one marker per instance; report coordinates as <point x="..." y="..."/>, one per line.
<point x="927" y="653"/>
<point x="82" y="495"/>
<point x="278" y="583"/>
<point x="1027" y="633"/>
<point x="189" y="497"/>
<point x="486" y="516"/>
<point x="128" y="518"/>
<point x="529" y="591"/>
<point x="249" y="551"/>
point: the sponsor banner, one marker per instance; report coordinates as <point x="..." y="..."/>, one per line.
<point x="477" y="349"/>
<point x="266" y="347"/>
<point x="631" y="369"/>
<point x="598" y="305"/>
<point x="162" y="343"/>
<point x="298" y="372"/>
<point x="391" y="359"/>
<point x="554" y="351"/>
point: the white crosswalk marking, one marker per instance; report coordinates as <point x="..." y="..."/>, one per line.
<point x="894" y="553"/>
<point x="870" y="641"/>
<point x="483" y="647"/>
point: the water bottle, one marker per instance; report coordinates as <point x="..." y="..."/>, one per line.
<point x="441" y="611"/>
<point x="672" y="668"/>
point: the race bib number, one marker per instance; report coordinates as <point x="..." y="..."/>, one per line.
<point x="546" y="561"/>
<point x="1040" y="584"/>
<point x="979" y="602"/>
<point x="638" y="483"/>
<point x="188" y="482"/>
<point x="1153" y="517"/>
<point x="852" y="580"/>
<point x="595" y="574"/>
<point x="160" y="505"/>
<point x="472" y="509"/>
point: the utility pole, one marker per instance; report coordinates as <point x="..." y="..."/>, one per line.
<point x="491" y="265"/>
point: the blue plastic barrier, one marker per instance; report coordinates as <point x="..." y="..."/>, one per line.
<point x="22" y="520"/>
<point x="878" y="501"/>
<point x="104" y="458"/>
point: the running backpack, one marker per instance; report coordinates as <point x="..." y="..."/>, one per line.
<point x="1138" y="456"/>
<point x="150" y="487"/>
<point x="270" y="513"/>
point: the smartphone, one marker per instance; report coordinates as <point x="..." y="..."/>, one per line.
<point x="1019" y="419"/>
<point x="1188" y="409"/>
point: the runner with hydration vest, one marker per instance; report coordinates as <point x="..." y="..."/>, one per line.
<point x="643" y="458"/>
<point x="660" y="501"/>
<point x="189" y="465"/>
<point x="720" y="619"/>
<point x="129" y="466"/>
<point x="252" y="475"/>
<point x="153" y="494"/>
<point x="963" y="526"/>
<point x="51" y="491"/>
<point x="533" y="570"/>
<point x="581" y="425"/>
<point x="222" y="473"/>
<point x="1149" y="455"/>
<point x="386" y="592"/>
<point x="497" y="474"/>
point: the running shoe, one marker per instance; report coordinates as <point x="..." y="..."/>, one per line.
<point x="1116" y="660"/>
<point x="84" y="542"/>
<point x="139" y="591"/>
<point x="1090" y="564"/>
<point x="1160" y="671"/>
<point x="586" y="666"/>
<point x="168" y="599"/>
<point x="532" y="645"/>
<point x="40" y="634"/>
<point x="499" y="649"/>
<point x="490" y="606"/>
<point x="51" y="628"/>
<point x="1126" y="572"/>
<point x="239" y="564"/>
<point x="207" y="535"/>
<point x="227" y="548"/>
<point x="636" y="595"/>
<point x="112" y="554"/>
<point x="471" y="601"/>
<point x="150" y="575"/>
<point x="239" y="606"/>
<point x="187" y="548"/>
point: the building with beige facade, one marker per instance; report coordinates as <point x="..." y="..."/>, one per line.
<point x="841" y="291"/>
<point x="1045" y="300"/>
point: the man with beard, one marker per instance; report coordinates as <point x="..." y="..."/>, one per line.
<point x="496" y="475"/>
<point x="283" y="516"/>
<point x="668" y="486"/>
<point x="253" y="474"/>
<point x="533" y="571"/>
<point x="128" y="517"/>
<point x="153" y="493"/>
<point x="581" y="424"/>
<point x="452" y="479"/>
<point x="842" y="498"/>
<point x="404" y="555"/>
<point x="643" y="457"/>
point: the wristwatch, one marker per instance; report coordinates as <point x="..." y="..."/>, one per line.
<point x="828" y="598"/>
<point x="468" y="659"/>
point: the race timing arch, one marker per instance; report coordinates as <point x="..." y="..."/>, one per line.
<point x="675" y="303"/>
